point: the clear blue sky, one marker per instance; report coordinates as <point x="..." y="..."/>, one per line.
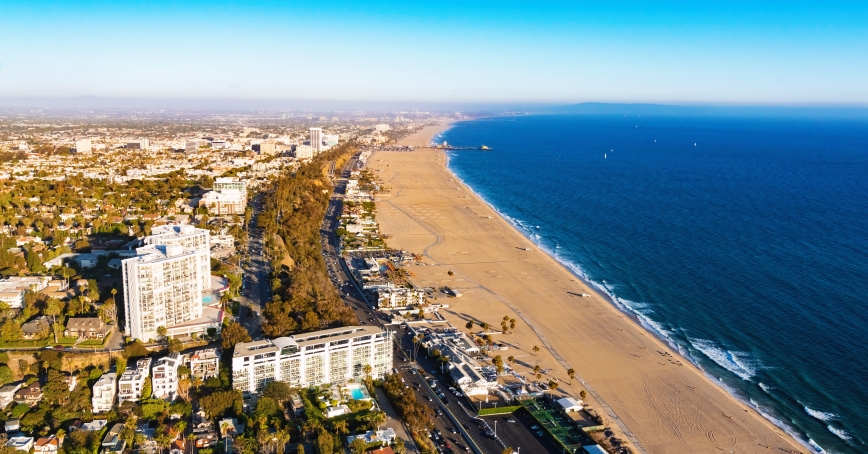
<point x="532" y="51"/>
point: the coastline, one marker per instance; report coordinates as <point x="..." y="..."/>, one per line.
<point x="659" y="425"/>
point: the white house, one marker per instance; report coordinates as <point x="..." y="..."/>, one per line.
<point x="46" y="445"/>
<point x="164" y="376"/>
<point x="132" y="381"/>
<point x="21" y="443"/>
<point x="104" y="391"/>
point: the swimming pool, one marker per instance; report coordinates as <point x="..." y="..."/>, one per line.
<point x="357" y="393"/>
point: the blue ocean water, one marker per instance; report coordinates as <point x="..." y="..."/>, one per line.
<point x="742" y="241"/>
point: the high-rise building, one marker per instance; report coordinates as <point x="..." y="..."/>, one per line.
<point x="190" y="237"/>
<point x="330" y="356"/>
<point x="304" y="152"/>
<point x="316" y="140"/>
<point x="163" y="286"/>
<point x="83" y="146"/>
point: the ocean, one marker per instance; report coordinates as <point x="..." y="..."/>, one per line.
<point x="743" y="241"/>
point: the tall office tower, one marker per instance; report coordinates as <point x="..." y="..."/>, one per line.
<point x="316" y="140"/>
<point x="163" y="286"/>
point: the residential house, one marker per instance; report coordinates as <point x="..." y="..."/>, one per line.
<point x="112" y="442"/>
<point x="86" y="328"/>
<point x="164" y="376"/>
<point x="12" y="425"/>
<point x="385" y="436"/>
<point x="297" y="405"/>
<point x="104" y="391"/>
<point x="204" y="363"/>
<point x="21" y="443"/>
<point x="94" y="426"/>
<point x="7" y="394"/>
<point x="47" y="445"/>
<point x="38" y="328"/>
<point x="132" y="381"/>
<point x="29" y="395"/>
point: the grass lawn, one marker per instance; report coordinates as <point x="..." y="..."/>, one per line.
<point x="23" y="343"/>
<point x="67" y="340"/>
<point x="94" y="342"/>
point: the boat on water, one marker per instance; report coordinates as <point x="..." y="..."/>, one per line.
<point x="484" y="147"/>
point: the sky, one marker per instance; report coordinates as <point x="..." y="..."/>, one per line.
<point x="733" y="52"/>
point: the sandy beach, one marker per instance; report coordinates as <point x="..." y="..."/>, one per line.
<point x="661" y="402"/>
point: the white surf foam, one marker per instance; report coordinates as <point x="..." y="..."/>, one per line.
<point x="766" y="387"/>
<point x="739" y="363"/>
<point x="789" y="430"/>
<point x="841" y="433"/>
<point x="653" y="326"/>
<point x="821" y="415"/>
<point x="816" y="447"/>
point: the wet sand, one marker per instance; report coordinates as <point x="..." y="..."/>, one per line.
<point x="661" y="402"/>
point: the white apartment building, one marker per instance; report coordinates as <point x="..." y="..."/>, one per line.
<point x="104" y="391"/>
<point x="224" y="202"/>
<point x="163" y="286"/>
<point x="204" y="364"/>
<point x="230" y="183"/>
<point x="13" y="288"/>
<point x="390" y="297"/>
<point x="383" y="127"/>
<point x="321" y="357"/>
<point x="304" y="152"/>
<point x="190" y="237"/>
<point x="268" y="148"/>
<point x="164" y="376"/>
<point x="83" y="146"/>
<point x="316" y="140"/>
<point x="132" y="381"/>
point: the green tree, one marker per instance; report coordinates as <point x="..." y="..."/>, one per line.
<point x="147" y="389"/>
<point x="232" y="334"/>
<point x="10" y="330"/>
<point x="175" y="345"/>
<point x="572" y="374"/>
<point x="535" y="349"/>
<point x="325" y="443"/>
<point x="358" y="446"/>
<point x="161" y="331"/>
<point x="5" y="374"/>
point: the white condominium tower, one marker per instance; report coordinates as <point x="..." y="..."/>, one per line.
<point x="316" y="140"/>
<point x="191" y="238"/>
<point x="331" y="356"/>
<point x="163" y="286"/>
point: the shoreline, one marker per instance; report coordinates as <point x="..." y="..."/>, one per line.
<point x="604" y="294"/>
<point x="409" y="231"/>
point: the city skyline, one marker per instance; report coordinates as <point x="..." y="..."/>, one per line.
<point x="548" y="53"/>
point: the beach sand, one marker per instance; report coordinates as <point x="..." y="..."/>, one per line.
<point x="659" y="400"/>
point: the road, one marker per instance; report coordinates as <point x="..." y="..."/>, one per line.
<point x="255" y="290"/>
<point x="458" y="427"/>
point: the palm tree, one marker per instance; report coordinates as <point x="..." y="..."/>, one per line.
<point x="535" y="349"/>
<point x="512" y="323"/>
<point x="469" y="325"/>
<point x="572" y="373"/>
<point x="341" y="427"/>
<point x="553" y="385"/>
<point x="511" y="359"/>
